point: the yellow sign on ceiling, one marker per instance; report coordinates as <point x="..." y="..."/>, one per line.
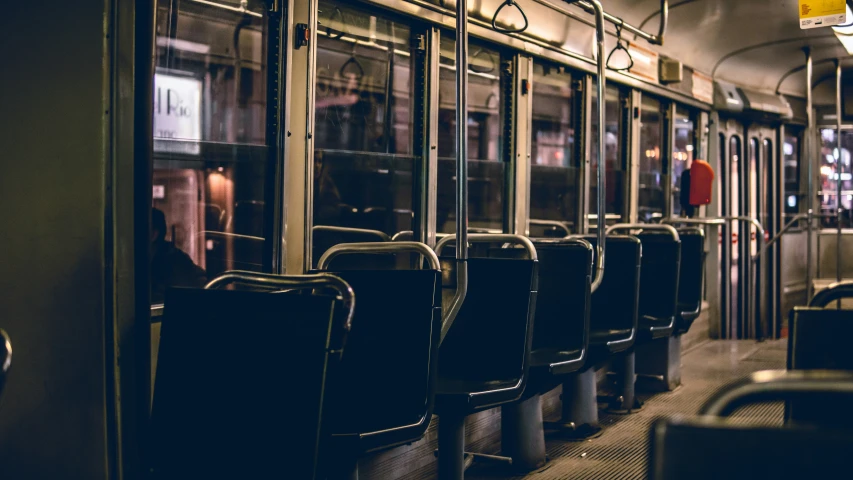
<point x="822" y="13"/>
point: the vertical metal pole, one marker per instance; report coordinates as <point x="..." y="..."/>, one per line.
<point x="810" y="132"/>
<point x="838" y="168"/>
<point x="602" y="150"/>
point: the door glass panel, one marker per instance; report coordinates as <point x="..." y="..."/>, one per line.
<point x="211" y="157"/>
<point x="554" y="172"/>
<point x="615" y="168"/>
<point x="364" y="154"/>
<point x="835" y="165"/>
<point x="651" y="202"/>
<point x="753" y="193"/>
<point x="791" y="151"/>
<point x="684" y="131"/>
<point x="486" y="167"/>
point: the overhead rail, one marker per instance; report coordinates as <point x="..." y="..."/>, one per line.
<point x="759" y="328"/>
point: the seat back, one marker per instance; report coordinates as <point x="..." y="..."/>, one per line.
<point x="711" y="449"/>
<point x="240" y="380"/>
<point x="563" y="301"/>
<point x="5" y="358"/>
<point x="489" y="341"/>
<point x="691" y="277"/>
<point x="820" y="339"/>
<point x="615" y="304"/>
<point x="659" y="270"/>
<point x="382" y="390"/>
<point x="325" y="237"/>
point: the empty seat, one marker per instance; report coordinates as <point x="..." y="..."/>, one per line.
<point x="560" y="344"/>
<point x="483" y="360"/>
<point x="658" y="285"/>
<point x="5" y="358"/>
<point x="820" y="339"/>
<point x="381" y="392"/>
<point x="709" y="448"/>
<point x="240" y="380"/>
<point x="691" y="278"/>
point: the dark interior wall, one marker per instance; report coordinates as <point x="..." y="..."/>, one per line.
<point x="53" y="153"/>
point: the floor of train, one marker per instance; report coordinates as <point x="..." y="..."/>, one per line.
<point x="620" y="452"/>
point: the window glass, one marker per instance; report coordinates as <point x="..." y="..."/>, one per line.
<point x="684" y="146"/>
<point x="486" y="167"/>
<point x="615" y="168"/>
<point x="554" y="172"/>
<point x="210" y="153"/>
<point x="835" y="164"/>
<point x="651" y="202"/>
<point x="791" y="151"/>
<point x="364" y="153"/>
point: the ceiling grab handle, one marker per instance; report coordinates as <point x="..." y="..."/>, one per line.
<point x="461" y="168"/>
<point x="598" y="10"/>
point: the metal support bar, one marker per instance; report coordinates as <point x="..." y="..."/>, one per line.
<point x="645" y="226"/>
<point x="461" y="167"/>
<point x="375" y="248"/>
<point x="838" y="167"/>
<point x="810" y="133"/>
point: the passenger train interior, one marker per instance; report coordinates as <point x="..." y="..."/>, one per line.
<point x="426" y="239"/>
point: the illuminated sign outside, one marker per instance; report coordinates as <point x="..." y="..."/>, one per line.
<point x="177" y="114"/>
<point x="822" y="13"/>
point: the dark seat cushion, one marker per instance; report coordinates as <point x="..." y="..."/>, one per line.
<point x="483" y="360"/>
<point x="691" y="277"/>
<point x="658" y="285"/>
<point x="233" y="368"/>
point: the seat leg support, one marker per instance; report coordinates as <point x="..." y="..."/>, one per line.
<point x="451" y="447"/>
<point x="579" y="407"/>
<point x="659" y="364"/>
<point x="626" y="377"/>
<point x="522" y="434"/>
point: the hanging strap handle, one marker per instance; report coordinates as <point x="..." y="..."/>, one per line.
<point x="509" y="3"/>
<point x="620" y="46"/>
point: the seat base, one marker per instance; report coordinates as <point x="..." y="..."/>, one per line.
<point x="579" y="418"/>
<point x="659" y="364"/>
<point x="522" y="435"/>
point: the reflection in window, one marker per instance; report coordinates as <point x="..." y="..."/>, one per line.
<point x="210" y="154"/>
<point x="486" y="167"/>
<point x="651" y="202"/>
<point x="615" y="167"/>
<point x="835" y="165"/>
<point x="682" y="152"/>
<point x="553" y="172"/>
<point x="793" y="196"/>
<point x="363" y="159"/>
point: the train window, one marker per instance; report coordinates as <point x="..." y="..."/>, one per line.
<point x="791" y="152"/>
<point x="684" y="144"/>
<point x="364" y="155"/>
<point x="486" y="165"/>
<point x="613" y="154"/>
<point x="835" y="167"/>
<point x="651" y="202"/>
<point x="210" y="148"/>
<point x="554" y="170"/>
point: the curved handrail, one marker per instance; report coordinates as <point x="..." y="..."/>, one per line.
<point x="7" y="345"/>
<point x="333" y="229"/>
<point x="776" y="385"/>
<point x="493" y="238"/>
<point x="551" y="223"/>
<point x="373" y="248"/>
<point x="404" y="236"/>
<point x="290" y="281"/>
<point x="835" y="291"/>
<point x="645" y="226"/>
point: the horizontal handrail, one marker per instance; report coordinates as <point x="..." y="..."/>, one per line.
<point x="551" y="223"/>
<point x="835" y="291"/>
<point x="291" y="281"/>
<point x="776" y="385"/>
<point x="492" y="238"/>
<point x="363" y="231"/>
<point x="376" y="248"/>
<point x="404" y="236"/>
<point x="645" y="226"/>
